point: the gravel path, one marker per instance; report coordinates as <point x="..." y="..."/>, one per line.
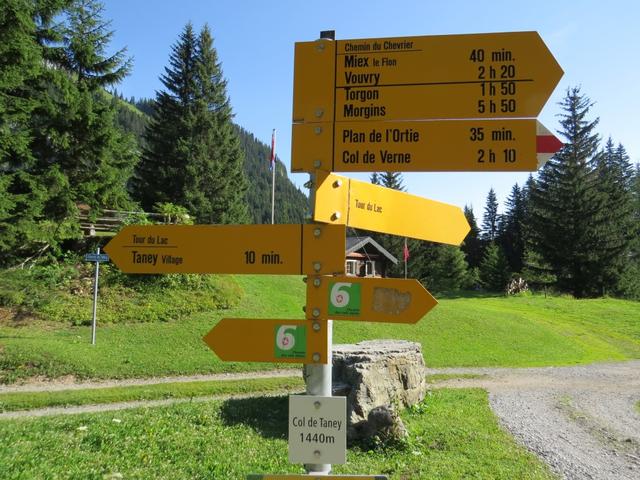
<point x="581" y="420"/>
<point x="70" y="383"/>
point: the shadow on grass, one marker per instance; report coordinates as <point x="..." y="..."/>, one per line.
<point x="268" y="416"/>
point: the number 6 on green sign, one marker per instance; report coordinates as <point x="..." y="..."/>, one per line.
<point x="291" y="341"/>
<point x="344" y="298"/>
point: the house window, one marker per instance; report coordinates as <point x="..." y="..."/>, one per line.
<point x="352" y="266"/>
<point x="371" y="268"/>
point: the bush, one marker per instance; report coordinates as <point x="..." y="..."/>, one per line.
<point x="63" y="292"/>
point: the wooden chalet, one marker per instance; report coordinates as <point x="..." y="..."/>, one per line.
<point x="367" y="258"/>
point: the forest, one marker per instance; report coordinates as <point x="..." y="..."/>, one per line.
<point x="71" y="145"/>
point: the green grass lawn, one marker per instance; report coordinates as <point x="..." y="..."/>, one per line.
<point x="463" y="331"/>
<point x="453" y="435"/>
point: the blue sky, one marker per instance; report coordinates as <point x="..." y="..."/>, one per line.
<point x="595" y="42"/>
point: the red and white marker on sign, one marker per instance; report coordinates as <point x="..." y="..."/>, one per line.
<point x="547" y="144"/>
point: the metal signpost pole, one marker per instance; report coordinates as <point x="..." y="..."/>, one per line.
<point x="318" y="377"/>
<point x="95" y="299"/>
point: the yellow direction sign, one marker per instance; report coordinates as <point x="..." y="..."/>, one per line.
<point x="268" y="249"/>
<point x="316" y="477"/>
<point x="268" y="340"/>
<point x="390" y="300"/>
<point x="489" y="75"/>
<point x="423" y="146"/>
<point x="342" y="200"/>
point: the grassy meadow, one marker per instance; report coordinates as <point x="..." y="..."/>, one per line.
<point x="453" y="435"/>
<point x="471" y="330"/>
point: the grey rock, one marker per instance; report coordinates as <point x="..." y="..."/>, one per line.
<point x="378" y="377"/>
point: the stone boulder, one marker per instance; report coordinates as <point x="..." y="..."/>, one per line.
<point x="376" y="377"/>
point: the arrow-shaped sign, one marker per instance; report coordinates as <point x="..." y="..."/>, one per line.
<point x="389" y="300"/>
<point x="489" y="75"/>
<point x="268" y="249"/>
<point x="268" y="340"/>
<point x="345" y="201"/>
<point x="423" y="146"/>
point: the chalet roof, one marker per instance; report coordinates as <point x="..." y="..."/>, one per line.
<point x="356" y="243"/>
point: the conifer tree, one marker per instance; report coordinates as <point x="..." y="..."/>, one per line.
<point x="472" y="245"/>
<point x="159" y="176"/>
<point x="392" y="180"/>
<point x="75" y="122"/>
<point x="193" y="158"/>
<point x="86" y="40"/>
<point x="219" y="186"/>
<point x="20" y="64"/>
<point x="36" y="206"/>
<point x="568" y="215"/>
<point x="494" y="268"/>
<point x="615" y="182"/>
<point x="444" y="268"/>
<point x="490" y="218"/>
<point x="512" y="231"/>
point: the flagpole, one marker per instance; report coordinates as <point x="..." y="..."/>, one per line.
<point x="273" y="175"/>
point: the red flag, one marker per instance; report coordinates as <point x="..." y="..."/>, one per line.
<point x="272" y="161"/>
<point x="405" y="251"/>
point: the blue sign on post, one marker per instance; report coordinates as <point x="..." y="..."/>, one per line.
<point x="96" y="257"/>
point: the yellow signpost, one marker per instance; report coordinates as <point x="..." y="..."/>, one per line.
<point x="268" y="340"/>
<point x="512" y="145"/>
<point x="391" y="300"/>
<point x="345" y="201"/>
<point x="489" y="75"/>
<point x="360" y="105"/>
<point x="264" y="249"/>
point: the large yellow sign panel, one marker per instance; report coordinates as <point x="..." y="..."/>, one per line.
<point x="263" y="249"/>
<point x="417" y="146"/>
<point x="390" y="300"/>
<point x="344" y="201"/>
<point x="269" y="340"/>
<point x="493" y="75"/>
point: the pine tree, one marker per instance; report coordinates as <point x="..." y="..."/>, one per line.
<point x="512" y="231"/>
<point x="159" y="176"/>
<point x="472" y="245"/>
<point x="392" y="180"/>
<point x="567" y="209"/>
<point x="494" y="269"/>
<point x="219" y="197"/>
<point x="629" y="283"/>
<point x="36" y="208"/>
<point x="615" y="182"/>
<point x="375" y="178"/>
<point x="86" y="40"/>
<point x="536" y="272"/>
<point x="444" y="267"/>
<point x="490" y="218"/>
<point x="75" y="123"/>
<point x="194" y="157"/>
<point x="20" y="64"/>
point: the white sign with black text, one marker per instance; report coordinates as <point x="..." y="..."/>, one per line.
<point x="317" y="429"/>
